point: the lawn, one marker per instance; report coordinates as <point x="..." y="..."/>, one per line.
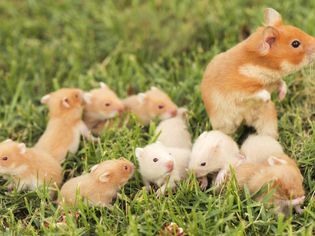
<point x="132" y="45"/>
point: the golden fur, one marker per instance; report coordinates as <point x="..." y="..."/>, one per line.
<point x="234" y="80"/>
<point x="99" y="186"/>
<point x="150" y="105"/>
<point x="29" y="167"/>
<point x="103" y="104"/>
<point x="65" y="125"/>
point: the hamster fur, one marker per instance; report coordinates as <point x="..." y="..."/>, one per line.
<point x="152" y="104"/>
<point x="283" y="174"/>
<point x="173" y="132"/>
<point x="258" y="148"/>
<point x="100" y="186"/>
<point x="213" y="151"/>
<point x="65" y="125"/>
<point x="236" y="84"/>
<point x="102" y="105"/>
<point x="162" y="165"/>
<point x="29" y="167"/>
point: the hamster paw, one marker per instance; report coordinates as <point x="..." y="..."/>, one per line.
<point x="263" y="95"/>
<point x="203" y="181"/>
<point x="298" y="209"/>
<point x="282" y="90"/>
<point x="220" y="177"/>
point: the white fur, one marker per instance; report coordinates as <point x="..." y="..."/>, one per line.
<point x="269" y="75"/>
<point x="216" y="149"/>
<point x="103" y="85"/>
<point x="157" y="172"/>
<point x="258" y="148"/>
<point x="173" y="132"/>
<point x="87" y="97"/>
<point x="12" y="170"/>
<point x="263" y="95"/>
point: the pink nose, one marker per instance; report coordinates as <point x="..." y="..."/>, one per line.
<point x="170" y="165"/>
<point x="174" y="112"/>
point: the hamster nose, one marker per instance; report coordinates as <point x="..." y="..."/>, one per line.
<point x="170" y="165"/>
<point x="174" y="112"/>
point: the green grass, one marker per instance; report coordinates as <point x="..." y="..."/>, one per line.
<point x="46" y="45"/>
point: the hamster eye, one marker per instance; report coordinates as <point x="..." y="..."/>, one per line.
<point x="126" y="167"/>
<point x="107" y="104"/>
<point x="295" y="44"/>
<point x="76" y="95"/>
<point x="161" y="106"/>
<point x="203" y="164"/>
<point x="155" y="159"/>
<point x="4" y="158"/>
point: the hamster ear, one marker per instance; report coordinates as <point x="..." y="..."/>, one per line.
<point x="65" y="102"/>
<point x="104" y="177"/>
<point x="22" y="148"/>
<point x="45" y="99"/>
<point x="138" y="152"/>
<point x="141" y="97"/>
<point x="272" y="17"/>
<point x="270" y="36"/>
<point x="153" y="88"/>
<point x="272" y="161"/>
<point x="103" y="85"/>
<point x="93" y="168"/>
<point x="87" y="97"/>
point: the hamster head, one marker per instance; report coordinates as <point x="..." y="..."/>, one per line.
<point x="103" y="102"/>
<point x="283" y="47"/>
<point x="155" y="161"/>
<point x="211" y="152"/>
<point x="114" y="172"/>
<point x="12" y="157"/>
<point x="158" y="104"/>
<point x="64" y="101"/>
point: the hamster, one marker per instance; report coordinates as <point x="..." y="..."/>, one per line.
<point x="29" y="167"/>
<point x="103" y="104"/>
<point x="101" y="185"/>
<point x="258" y="148"/>
<point x="173" y="132"/>
<point x="284" y="175"/>
<point x="162" y="166"/>
<point x="65" y="125"/>
<point x="212" y="152"/>
<point x="152" y="104"/>
<point x="236" y="84"/>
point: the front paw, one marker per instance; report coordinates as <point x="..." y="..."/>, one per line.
<point x="203" y="182"/>
<point x="220" y="178"/>
<point x="282" y="90"/>
<point x="263" y="95"/>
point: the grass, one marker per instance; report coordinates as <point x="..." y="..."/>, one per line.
<point x="131" y="45"/>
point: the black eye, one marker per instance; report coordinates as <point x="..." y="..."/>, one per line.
<point x="107" y="104"/>
<point x="155" y="159"/>
<point x="161" y="106"/>
<point x="4" y="158"/>
<point x="203" y="164"/>
<point x="126" y="167"/>
<point x="295" y="44"/>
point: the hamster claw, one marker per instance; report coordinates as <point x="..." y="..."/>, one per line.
<point x="203" y="182"/>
